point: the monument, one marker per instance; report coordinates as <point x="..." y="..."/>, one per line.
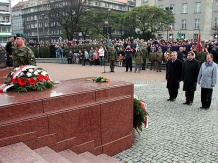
<point x="78" y="114"/>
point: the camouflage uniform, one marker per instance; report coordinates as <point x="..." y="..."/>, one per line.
<point x="152" y="58"/>
<point x="112" y="57"/>
<point x="159" y="56"/>
<point x="144" y="56"/>
<point x="23" y="56"/>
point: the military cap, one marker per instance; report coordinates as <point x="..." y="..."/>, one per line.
<point x="20" y="35"/>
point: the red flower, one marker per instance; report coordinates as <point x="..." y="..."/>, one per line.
<point x="46" y="78"/>
<point x="40" y="78"/>
<point x="14" y="80"/>
<point x="22" y="82"/>
<point x="32" y="81"/>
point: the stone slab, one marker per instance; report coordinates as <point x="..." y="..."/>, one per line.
<point x="51" y="156"/>
<point x="73" y="157"/>
<point x="19" y="153"/>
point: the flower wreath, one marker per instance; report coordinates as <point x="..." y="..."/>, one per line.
<point x="101" y="79"/>
<point x="27" y="78"/>
<point x="140" y="115"/>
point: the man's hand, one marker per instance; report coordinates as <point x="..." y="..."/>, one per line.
<point x="11" y="39"/>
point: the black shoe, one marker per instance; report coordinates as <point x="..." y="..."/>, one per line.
<point x="169" y="99"/>
<point x="173" y="99"/>
<point x="186" y="103"/>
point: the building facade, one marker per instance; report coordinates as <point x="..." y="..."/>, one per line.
<point x="38" y="23"/>
<point x="191" y="17"/>
<point x="5" y="21"/>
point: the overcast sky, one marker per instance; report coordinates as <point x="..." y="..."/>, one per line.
<point x="14" y="2"/>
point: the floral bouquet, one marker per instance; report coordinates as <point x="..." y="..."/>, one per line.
<point x="101" y="79"/>
<point x="140" y="115"/>
<point x="27" y="78"/>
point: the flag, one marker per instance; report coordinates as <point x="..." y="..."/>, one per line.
<point x="199" y="42"/>
<point x="171" y="28"/>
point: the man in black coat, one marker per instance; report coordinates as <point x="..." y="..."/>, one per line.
<point x="173" y="76"/>
<point x="189" y="77"/>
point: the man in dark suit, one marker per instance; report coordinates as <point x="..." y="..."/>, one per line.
<point x="173" y="76"/>
<point x="189" y="77"/>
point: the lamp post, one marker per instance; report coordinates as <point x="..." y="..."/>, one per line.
<point x="216" y="37"/>
<point x="168" y="9"/>
<point x="43" y="26"/>
<point x="108" y="27"/>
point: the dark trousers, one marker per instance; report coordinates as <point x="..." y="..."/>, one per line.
<point x="189" y="96"/>
<point x="69" y="60"/>
<point x="173" y="93"/>
<point x="144" y="64"/>
<point x="101" y="60"/>
<point x="152" y="65"/>
<point x="86" y="60"/>
<point x="128" y="64"/>
<point x="206" y="95"/>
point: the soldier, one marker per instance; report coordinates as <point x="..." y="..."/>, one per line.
<point x="159" y="56"/>
<point x="22" y="55"/>
<point x="144" y="56"/>
<point x="112" y="57"/>
<point x="138" y="60"/>
<point x="152" y="57"/>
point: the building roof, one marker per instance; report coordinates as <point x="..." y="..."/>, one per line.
<point x="19" y="5"/>
<point x="124" y="1"/>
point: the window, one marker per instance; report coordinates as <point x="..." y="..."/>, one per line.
<point x="216" y="22"/>
<point x="197" y="7"/>
<point x="171" y="36"/>
<point x="172" y="25"/>
<point x="216" y="7"/>
<point x="184" y="8"/>
<point x="195" y="37"/>
<point x="160" y="6"/>
<point x="197" y="22"/>
<point x="183" y="23"/>
<point x="183" y="36"/>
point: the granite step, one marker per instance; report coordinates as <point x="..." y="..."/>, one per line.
<point x="19" y="153"/>
<point x="108" y="159"/>
<point x="51" y="156"/>
<point x="73" y="157"/>
<point x="92" y="158"/>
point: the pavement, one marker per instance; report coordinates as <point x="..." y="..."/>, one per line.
<point x="176" y="133"/>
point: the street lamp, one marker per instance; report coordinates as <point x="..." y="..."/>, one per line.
<point x="216" y="37"/>
<point x="43" y="25"/>
<point x="168" y="13"/>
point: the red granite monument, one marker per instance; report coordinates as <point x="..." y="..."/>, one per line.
<point x="77" y="114"/>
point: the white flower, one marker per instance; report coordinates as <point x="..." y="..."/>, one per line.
<point x="21" y="74"/>
<point x="30" y="70"/>
<point x="28" y="74"/>
<point x="16" y="68"/>
<point x="39" y="71"/>
<point x="36" y="73"/>
<point x="44" y="73"/>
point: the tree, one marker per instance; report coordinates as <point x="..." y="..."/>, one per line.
<point x="93" y="21"/>
<point x="67" y="14"/>
<point x="148" y="19"/>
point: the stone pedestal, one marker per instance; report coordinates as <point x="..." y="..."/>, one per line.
<point x="77" y="114"/>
